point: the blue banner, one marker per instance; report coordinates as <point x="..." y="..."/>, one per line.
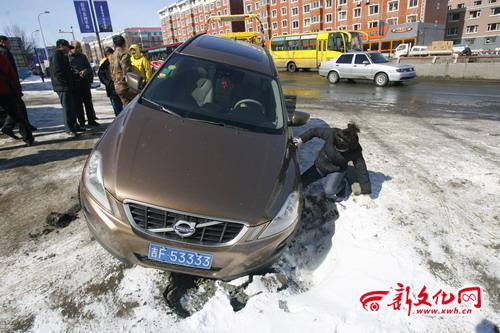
<point x="103" y="17"/>
<point x="84" y="16"/>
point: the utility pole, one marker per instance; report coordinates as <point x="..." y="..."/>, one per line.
<point x="92" y="11"/>
<point x="43" y="38"/>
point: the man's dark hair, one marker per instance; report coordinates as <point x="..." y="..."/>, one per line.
<point x="118" y="41"/>
<point x="347" y="138"/>
<point x="3" y="38"/>
<point x="108" y="50"/>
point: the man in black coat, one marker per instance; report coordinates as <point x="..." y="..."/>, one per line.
<point x="64" y="84"/>
<point x="341" y="146"/>
<point x="104" y="74"/>
<point x="10" y="124"/>
<point x="80" y="64"/>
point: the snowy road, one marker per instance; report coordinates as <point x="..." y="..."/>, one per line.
<point x="433" y="151"/>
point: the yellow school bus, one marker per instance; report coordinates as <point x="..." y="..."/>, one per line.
<point x="251" y="37"/>
<point x="308" y="50"/>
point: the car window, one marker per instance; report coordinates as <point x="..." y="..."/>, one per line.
<point x="216" y="92"/>
<point x="345" y="59"/>
<point x="360" y="58"/>
<point x="377" y="57"/>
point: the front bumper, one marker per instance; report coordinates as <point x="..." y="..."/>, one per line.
<point x="229" y="262"/>
<point x="402" y="76"/>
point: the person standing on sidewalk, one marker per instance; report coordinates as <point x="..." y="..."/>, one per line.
<point x="80" y="63"/>
<point x="104" y="74"/>
<point x="64" y="84"/>
<point x="10" y="92"/>
<point x="120" y="65"/>
<point x="140" y="64"/>
<point x="5" y="50"/>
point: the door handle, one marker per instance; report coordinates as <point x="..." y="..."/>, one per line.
<point x="355" y="66"/>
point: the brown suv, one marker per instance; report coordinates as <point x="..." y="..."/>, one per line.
<point x="199" y="175"/>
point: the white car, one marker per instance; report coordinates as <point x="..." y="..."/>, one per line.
<point x="366" y="65"/>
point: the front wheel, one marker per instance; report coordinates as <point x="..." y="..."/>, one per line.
<point x="291" y="67"/>
<point x="333" y="77"/>
<point x="381" y="80"/>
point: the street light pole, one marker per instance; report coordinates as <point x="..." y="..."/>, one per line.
<point x="61" y="31"/>
<point x="41" y="32"/>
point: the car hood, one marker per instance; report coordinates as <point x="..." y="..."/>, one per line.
<point x="396" y="65"/>
<point x="191" y="166"/>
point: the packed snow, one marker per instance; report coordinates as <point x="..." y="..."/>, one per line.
<point x="432" y="220"/>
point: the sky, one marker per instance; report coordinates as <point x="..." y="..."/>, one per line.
<point x="124" y="13"/>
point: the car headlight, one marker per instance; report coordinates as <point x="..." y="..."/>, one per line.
<point x="93" y="180"/>
<point x="288" y="215"/>
<point x="400" y="70"/>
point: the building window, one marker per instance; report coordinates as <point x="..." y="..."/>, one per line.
<point x="493" y="27"/>
<point x="315" y="5"/>
<point x="469" y="41"/>
<point x="328" y="18"/>
<point x="373" y="10"/>
<point x="256" y="5"/>
<point x="372" y="24"/>
<point x="307" y="8"/>
<point x="492" y="1"/>
<point x="274" y="13"/>
<point x="495" y="11"/>
<point x="342" y="2"/>
<point x="460" y="5"/>
<point x="471" y="29"/>
<point x="393" y="6"/>
<point x="307" y="22"/>
<point x="275" y="25"/>
<point x="474" y="14"/>
<point x="411" y="18"/>
<point x="284" y="23"/>
<point x="452" y="31"/>
<point x="295" y="11"/>
<point x="392" y="21"/>
<point x="283" y="10"/>
<point x="490" y="40"/>
<point x="315" y="19"/>
<point x="452" y="17"/>
<point x="249" y="8"/>
<point x="342" y="27"/>
<point x="328" y="3"/>
<point x="357" y="12"/>
<point x="412" y="3"/>
<point x="265" y="26"/>
<point x="343" y="15"/>
<point x="273" y="2"/>
<point x="356" y="26"/>
<point x="295" y="24"/>
<point x="478" y="2"/>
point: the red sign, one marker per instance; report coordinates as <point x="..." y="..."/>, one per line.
<point x="401" y="29"/>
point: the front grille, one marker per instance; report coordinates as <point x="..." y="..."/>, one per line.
<point x="208" y="231"/>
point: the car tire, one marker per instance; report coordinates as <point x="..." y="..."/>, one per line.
<point x="333" y="77"/>
<point x="291" y="67"/>
<point x="381" y="80"/>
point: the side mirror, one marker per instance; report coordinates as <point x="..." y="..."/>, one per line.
<point x="134" y="81"/>
<point x="366" y="62"/>
<point x="299" y="118"/>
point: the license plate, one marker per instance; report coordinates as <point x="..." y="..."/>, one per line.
<point x="179" y="257"/>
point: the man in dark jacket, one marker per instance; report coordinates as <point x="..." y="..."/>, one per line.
<point x="64" y="84"/>
<point x="10" y="90"/>
<point x="80" y="64"/>
<point x="120" y="65"/>
<point x="10" y="124"/>
<point x="341" y="146"/>
<point x="104" y="74"/>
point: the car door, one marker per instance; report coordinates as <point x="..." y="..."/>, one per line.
<point x="343" y="65"/>
<point x="361" y="67"/>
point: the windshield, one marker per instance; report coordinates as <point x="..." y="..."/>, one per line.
<point x="356" y="42"/>
<point x="377" y="58"/>
<point x="219" y="93"/>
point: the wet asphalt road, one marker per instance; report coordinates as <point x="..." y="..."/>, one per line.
<point x="419" y="98"/>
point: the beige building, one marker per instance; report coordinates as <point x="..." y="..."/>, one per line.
<point x="475" y="23"/>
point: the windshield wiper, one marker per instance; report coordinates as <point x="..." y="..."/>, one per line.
<point x="161" y="107"/>
<point x="217" y="123"/>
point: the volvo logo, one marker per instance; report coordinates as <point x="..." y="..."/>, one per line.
<point x="184" y="228"/>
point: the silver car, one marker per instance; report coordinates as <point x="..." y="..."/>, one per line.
<point x="365" y="65"/>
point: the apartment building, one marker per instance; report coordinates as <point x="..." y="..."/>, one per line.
<point x="186" y="18"/>
<point x="298" y="16"/>
<point x="475" y="23"/>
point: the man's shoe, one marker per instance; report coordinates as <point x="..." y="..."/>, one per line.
<point x="72" y="134"/>
<point x="10" y="133"/>
<point x="33" y="128"/>
<point x="30" y="142"/>
<point x="93" y="123"/>
<point x="80" y="128"/>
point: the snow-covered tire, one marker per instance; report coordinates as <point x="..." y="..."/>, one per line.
<point x="381" y="80"/>
<point x="291" y="67"/>
<point x="333" y="77"/>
